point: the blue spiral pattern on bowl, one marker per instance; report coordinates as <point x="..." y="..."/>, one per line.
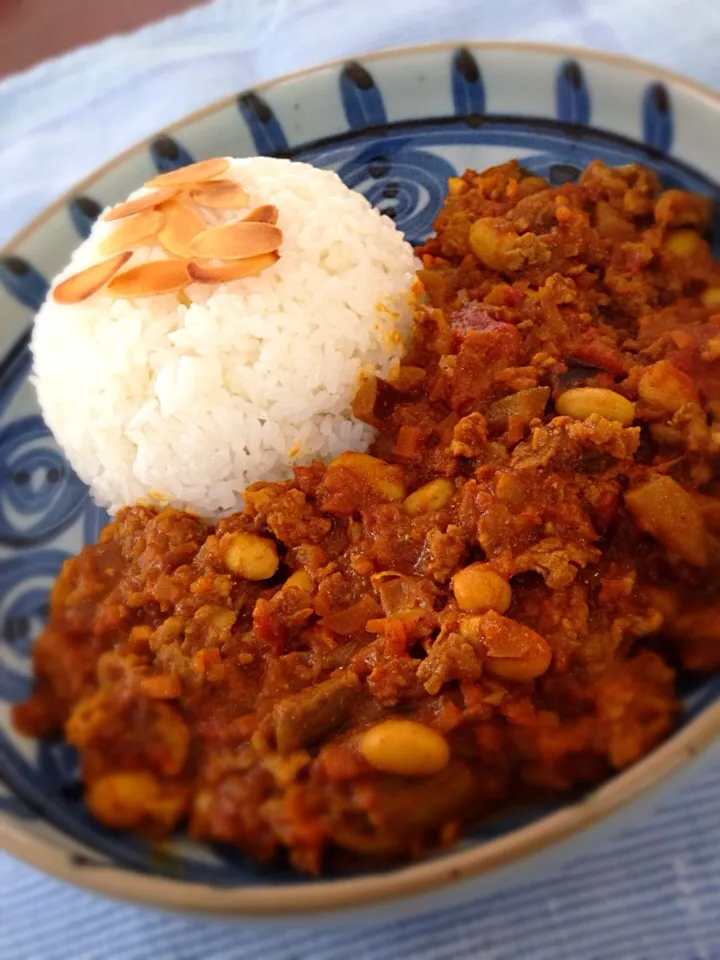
<point x="402" y="167"/>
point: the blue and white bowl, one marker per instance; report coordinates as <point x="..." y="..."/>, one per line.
<point x="395" y="126"/>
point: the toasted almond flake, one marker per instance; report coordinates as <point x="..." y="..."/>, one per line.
<point x="144" y="226"/>
<point x="234" y="241"/>
<point x="149" y="279"/>
<point x="181" y="226"/>
<point x="146" y="202"/>
<point x="84" y="284"/>
<point x="265" y="213"/>
<point x="191" y="174"/>
<point x="220" y="194"/>
<point x="237" y="270"/>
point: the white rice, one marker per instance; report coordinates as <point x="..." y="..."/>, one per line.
<point x="155" y="401"/>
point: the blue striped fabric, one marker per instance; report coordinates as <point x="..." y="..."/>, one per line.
<point x="651" y="894"/>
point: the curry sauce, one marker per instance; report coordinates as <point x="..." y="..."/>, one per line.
<point x="489" y="606"/>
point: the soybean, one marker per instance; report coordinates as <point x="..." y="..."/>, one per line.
<point x="405" y="747"/>
<point x="251" y="557"/>
<point x="582" y="402"/>
<point x="431" y="496"/>
<point x="478" y="588"/>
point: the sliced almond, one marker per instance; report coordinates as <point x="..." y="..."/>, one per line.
<point x="191" y="174"/>
<point x="146" y="202"/>
<point x="84" y="284"/>
<point x="149" y="279"/>
<point x="237" y="270"/>
<point x="182" y="224"/>
<point x="234" y="241"/>
<point x="227" y="194"/>
<point x="145" y="226"/>
<point x="265" y="213"/>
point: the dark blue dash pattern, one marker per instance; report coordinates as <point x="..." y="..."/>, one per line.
<point x="361" y="98"/>
<point x="168" y="154"/>
<point x="572" y="96"/>
<point x="23" y="282"/>
<point x="468" y="89"/>
<point x="83" y="211"/>
<point x="267" y="133"/>
<point x="657" y="117"/>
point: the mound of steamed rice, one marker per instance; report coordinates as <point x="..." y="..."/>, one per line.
<point x="156" y="401"/>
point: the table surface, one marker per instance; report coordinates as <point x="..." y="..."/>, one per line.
<point x="32" y="30"/>
<point x="650" y="894"/>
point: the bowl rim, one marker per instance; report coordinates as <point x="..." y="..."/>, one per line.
<point x="417" y="879"/>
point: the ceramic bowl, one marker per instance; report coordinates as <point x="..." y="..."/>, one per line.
<point x="395" y="126"/>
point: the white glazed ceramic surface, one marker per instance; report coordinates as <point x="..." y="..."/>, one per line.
<point x="394" y="125"/>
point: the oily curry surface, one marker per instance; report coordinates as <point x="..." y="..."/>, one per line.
<point x="488" y="607"/>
